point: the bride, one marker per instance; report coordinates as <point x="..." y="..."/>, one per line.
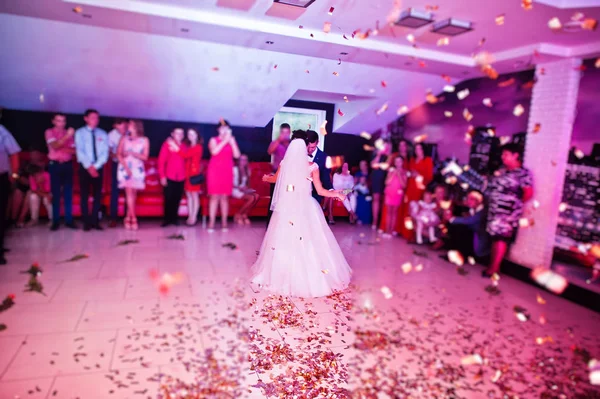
<point x="299" y="255"/>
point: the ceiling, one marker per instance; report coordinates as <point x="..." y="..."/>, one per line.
<point x="200" y="60"/>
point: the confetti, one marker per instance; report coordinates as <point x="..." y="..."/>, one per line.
<point x="289" y="188"/>
<point x="335" y="74"/>
<point x="77" y="257"/>
<point x="467" y="115"/>
<point x="330" y="10"/>
<point x="408" y="223"/>
<point x="410" y="37"/>
<point x="505" y="139"/>
<point x="537" y="127"/>
<point x="471" y="260"/>
<point x="176" y="237"/>
<point x="518" y="110"/>
<point x="578" y="153"/>
<point x="365" y="135"/>
<point x="487" y="102"/>
<point x="540" y="300"/>
<point x="507" y="82"/>
<point x="527" y="4"/>
<point x="422" y="64"/>
<point x="402" y="110"/>
<point x="307" y="71"/>
<point x="406" y="267"/>
<point x="327" y="27"/>
<point x="77" y="10"/>
<point x="325" y="271"/>
<point x="382" y="109"/>
<point x="471" y="359"/>
<point x="42" y="98"/>
<point x="597" y="63"/>
<point x="339" y="61"/>
<point x="166" y="281"/>
<point x="521" y="313"/>
<point x="554" y="24"/>
<point x="275" y="66"/>
<point x="550" y="280"/>
<point x="387" y="293"/>
<point x="443" y="41"/>
<point x="340" y="113"/>
<point x="463" y="94"/>
<point x="496" y="376"/>
<point x="489" y="71"/>
<point x="431" y="98"/>
<point x="323" y="128"/>
<point x="456" y="257"/>
<point x="448" y="114"/>
<point x="447" y="78"/>
<point x="383" y="83"/>
<point x="230" y="245"/>
<point x="500" y="19"/>
<point x="594" y="368"/>
<point x="429" y="7"/>
<point x="526" y="222"/>
<point x="449" y="88"/>
<point x="589" y="24"/>
<point x="419" y="267"/>
<point x="215" y="69"/>
<point x="367" y="147"/>
<point x="127" y="242"/>
<point x="420" y="138"/>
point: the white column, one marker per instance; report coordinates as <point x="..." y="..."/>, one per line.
<point x="553" y="106"/>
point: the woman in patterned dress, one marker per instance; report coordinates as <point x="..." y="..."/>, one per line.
<point x="131" y="175"/>
<point x="508" y="191"/>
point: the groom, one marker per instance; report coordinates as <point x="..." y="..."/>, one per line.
<point x="319" y="157"/>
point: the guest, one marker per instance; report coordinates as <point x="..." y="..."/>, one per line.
<point x="19" y="196"/>
<point x="193" y="174"/>
<point x="91" y="144"/>
<point x="420" y="170"/>
<point x="241" y="178"/>
<point x="344" y="181"/>
<point x="219" y="174"/>
<point x="363" y="201"/>
<point x="114" y="138"/>
<point x="171" y="170"/>
<point x="277" y="150"/>
<point x="363" y="170"/>
<point x="379" y="166"/>
<point x="39" y="192"/>
<point x="395" y="184"/>
<point x="444" y="204"/>
<point x="320" y="158"/>
<point x="467" y="234"/>
<point x="132" y="152"/>
<point x="424" y="216"/>
<point x="509" y="189"/>
<point x="9" y="167"/>
<point x="61" y="148"/>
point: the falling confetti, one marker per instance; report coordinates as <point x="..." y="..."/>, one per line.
<point x="578" y="153"/>
<point x="365" y="135"/>
<point x="335" y="74"/>
<point x="540" y="300"/>
<point x="325" y="271"/>
<point x="275" y="66"/>
<point x="467" y="115"/>
<point x="489" y="71"/>
<point x="526" y="222"/>
<point x="382" y="109"/>
<point x="471" y="359"/>
<point x="463" y="94"/>
<point x="527" y="4"/>
<point x="323" y="128"/>
<point x="537" y="127"/>
<point x="518" y="110"/>
<point x="449" y="88"/>
<point x="431" y="98"/>
<point x="456" y="258"/>
<point x="383" y="83"/>
<point x="507" y="82"/>
<point x="597" y="63"/>
<point x="448" y="114"/>
<point x="77" y="10"/>
<point x="550" y="280"/>
<point x="521" y="313"/>
<point x="443" y="41"/>
<point x="471" y="260"/>
<point x="488" y="102"/>
<point x="505" y="139"/>
<point x="500" y="19"/>
<point x="42" y="98"/>
<point x="562" y="207"/>
<point x="215" y="69"/>
<point x="594" y="367"/>
<point x="307" y="71"/>
<point x="327" y="27"/>
<point x="166" y="281"/>
<point x="339" y="61"/>
<point x="289" y="188"/>
<point x="420" y="138"/>
<point x="406" y="267"/>
<point x="447" y="78"/>
<point x="402" y="110"/>
<point x="410" y="37"/>
<point x="330" y="10"/>
<point x="589" y="24"/>
<point x="554" y="24"/>
<point x="77" y="257"/>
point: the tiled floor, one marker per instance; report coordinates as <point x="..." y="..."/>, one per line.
<point x="104" y="330"/>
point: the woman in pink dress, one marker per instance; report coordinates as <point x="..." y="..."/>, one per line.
<point x="219" y="174"/>
<point x="395" y="184"/>
<point x="131" y="175"/>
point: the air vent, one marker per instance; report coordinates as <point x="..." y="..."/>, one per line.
<point x="412" y="18"/>
<point x="451" y="27"/>
<point x="296" y="3"/>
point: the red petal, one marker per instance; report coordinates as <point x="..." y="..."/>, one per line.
<point x="340" y="113"/>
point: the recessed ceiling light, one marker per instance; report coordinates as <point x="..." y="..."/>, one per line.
<point x="343" y="53"/>
<point x="269" y="42"/>
<point x="295" y="3"/>
<point x="412" y="18"/>
<point x="451" y="27"/>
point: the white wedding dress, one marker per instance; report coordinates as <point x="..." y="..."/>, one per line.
<point x="299" y="255"/>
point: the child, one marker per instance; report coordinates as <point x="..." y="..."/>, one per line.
<point x="395" y="184"/>
<point x="363" y="201"/>
<point x="424" y="215"/>
<point x="39" y="191"/>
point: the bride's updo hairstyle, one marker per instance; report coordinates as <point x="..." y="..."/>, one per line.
<point x="300" y="134"/>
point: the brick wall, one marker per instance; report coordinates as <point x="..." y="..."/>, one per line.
<point x="553" y="105"/>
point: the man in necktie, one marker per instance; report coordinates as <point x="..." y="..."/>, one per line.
<point x="319" y="157"/>
<point x="91" y="145"/>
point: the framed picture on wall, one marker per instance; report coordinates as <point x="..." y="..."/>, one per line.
<point x="300" y="118"/>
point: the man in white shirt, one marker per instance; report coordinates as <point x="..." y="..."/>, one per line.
<point x="114" y="138"/>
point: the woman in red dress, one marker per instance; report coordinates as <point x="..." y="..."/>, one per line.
<point x="219" y="174"/>
<point x="404" y="151"/>
<point x="193" y="171"/>
<point x="421" y="174"/>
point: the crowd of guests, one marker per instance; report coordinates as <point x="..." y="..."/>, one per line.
<point x="396" y="192"/>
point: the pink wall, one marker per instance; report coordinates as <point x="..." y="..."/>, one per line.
<point x="449" y="133"/>
<point x="586" y="130"/>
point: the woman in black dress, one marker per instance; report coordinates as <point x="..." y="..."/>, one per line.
<point x="379" y="167"/>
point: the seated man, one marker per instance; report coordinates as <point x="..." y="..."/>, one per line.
<point x="467" y="234"/>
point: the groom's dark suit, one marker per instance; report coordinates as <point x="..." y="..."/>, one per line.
<point x="320" y="159"/>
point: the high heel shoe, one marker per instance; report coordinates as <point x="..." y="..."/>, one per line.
<point x="247" y="221"/>
<point x="134" y="224"/>
<point x="127" y="222"/>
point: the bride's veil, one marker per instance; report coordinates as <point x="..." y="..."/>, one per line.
<point x="292" y="189"/>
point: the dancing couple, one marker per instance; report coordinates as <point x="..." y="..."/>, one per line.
<point x="299" y="255"/>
